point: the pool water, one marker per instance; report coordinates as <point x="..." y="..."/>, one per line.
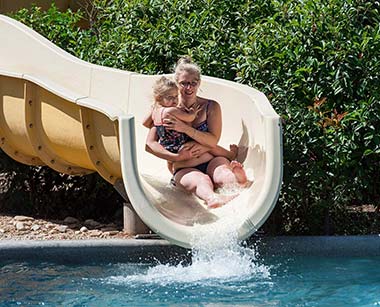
<point x="225" y="281"/>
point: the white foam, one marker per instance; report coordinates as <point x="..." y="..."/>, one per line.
<point x="217" y="257"/>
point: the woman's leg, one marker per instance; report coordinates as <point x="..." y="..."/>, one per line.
<point x="194" y="181"/>
<point x="225" y="172"/>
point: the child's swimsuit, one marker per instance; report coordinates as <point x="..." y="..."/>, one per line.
<point x="170" y="139"/>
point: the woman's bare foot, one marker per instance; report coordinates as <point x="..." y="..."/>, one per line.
<point x="217" y="201"/>
<point x="239" y="172"/>
<point x="234" y="149"/>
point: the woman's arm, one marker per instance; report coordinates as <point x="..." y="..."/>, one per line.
<point x="147" y="120"/>
<point x="214" y="122"/>
<point x="152" y="146"/>
<point x="217" y="151"/>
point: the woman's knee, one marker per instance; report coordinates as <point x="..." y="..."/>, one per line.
<point x="220" y="160"/>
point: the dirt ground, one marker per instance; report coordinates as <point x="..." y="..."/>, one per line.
<point x="28" y="228"/>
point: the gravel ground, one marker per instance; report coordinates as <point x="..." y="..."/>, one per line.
<point x="28" y="228"/>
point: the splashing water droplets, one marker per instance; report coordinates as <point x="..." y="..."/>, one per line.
<point x="217" y="258"/>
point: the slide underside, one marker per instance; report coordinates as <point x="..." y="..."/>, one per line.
<point x="79" y="118"/>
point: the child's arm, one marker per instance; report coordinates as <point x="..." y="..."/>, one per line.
<point x="148" y="121"/>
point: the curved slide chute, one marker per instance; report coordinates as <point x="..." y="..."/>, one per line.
<point x="79" y="118"/>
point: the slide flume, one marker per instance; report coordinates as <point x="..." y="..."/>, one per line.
<point x="78" y="118"/>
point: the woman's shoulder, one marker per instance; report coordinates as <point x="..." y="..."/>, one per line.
<point x="209" y="103"/>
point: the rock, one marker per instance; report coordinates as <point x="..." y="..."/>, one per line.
<point x="108" y="229"/>
<point x="83" y="229"/>
<point x="2" y="230"/>
<point x="70" y="220"/>
<point x="22" y="218"/>
<point x="20" y="226"/>
<point x="35" y="227"/>
<point x="62" y="228"/>
<point x="95" y="233"/>
<point x="91" y="223"/>
<point x="113" y="232"/>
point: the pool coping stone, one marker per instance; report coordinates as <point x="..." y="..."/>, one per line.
<point x="157" y="250"/>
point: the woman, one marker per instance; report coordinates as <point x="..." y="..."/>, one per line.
<point x="194" y="170"/>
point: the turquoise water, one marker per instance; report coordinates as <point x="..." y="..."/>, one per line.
<point x="250" y="281"/>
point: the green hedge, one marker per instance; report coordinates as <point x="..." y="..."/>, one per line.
<point x="317" y="62"/>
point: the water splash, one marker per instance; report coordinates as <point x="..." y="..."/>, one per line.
<point x="217" y="258"/>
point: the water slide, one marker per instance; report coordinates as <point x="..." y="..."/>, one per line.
<point x="78" y="118"/>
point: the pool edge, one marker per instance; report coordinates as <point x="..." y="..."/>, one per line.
<point x="149" y="250"/>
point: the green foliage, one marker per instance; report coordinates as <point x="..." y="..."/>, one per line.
<point x="317" y="62"/>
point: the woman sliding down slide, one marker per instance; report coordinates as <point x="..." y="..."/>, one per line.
<point x="186" y="133"/>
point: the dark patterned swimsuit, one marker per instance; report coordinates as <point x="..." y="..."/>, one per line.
<point x="170" y="139"/>
<point x="203" y="127"/>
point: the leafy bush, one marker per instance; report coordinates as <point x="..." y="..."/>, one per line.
<point x="317" y="61"/>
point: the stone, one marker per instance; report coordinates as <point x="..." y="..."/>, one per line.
<point x="70" y="220"/>
<point x="113" y="232"/>
<point x="35" y="227"/>
<point x="83" y="229"/>
<point x="2" y="230"/>
<point x="95" y="233"/>
<point x="91" y="223"/>
<point x="62" y="228"/>
<point x="108" y="229"/>
<point x="22" y="218"/>
<point x="20" y="226"/>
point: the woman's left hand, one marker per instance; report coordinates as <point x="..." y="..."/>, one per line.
<point x="196" y="149"/>
<point x="173" y="123"/>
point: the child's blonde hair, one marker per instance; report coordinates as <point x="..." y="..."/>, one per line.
<point x="162" y="87"/>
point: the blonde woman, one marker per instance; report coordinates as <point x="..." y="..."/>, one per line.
<point x="207" y="168"/>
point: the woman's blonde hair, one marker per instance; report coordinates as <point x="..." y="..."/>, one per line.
<point x="162" y="87"/>
<point x="186" y="64"/>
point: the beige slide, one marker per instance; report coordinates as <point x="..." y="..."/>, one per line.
<point x="79" y="118"/>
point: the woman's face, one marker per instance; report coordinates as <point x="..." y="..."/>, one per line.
<point x="188" y="84"/>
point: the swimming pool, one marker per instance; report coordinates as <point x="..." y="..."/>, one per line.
<point x="237" y="277"/>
